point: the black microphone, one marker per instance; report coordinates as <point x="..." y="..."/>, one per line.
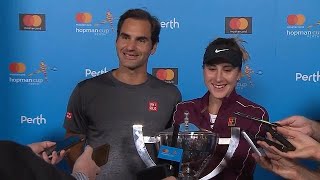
<point x="157" y="172"/>
<point x="165" y="168"/>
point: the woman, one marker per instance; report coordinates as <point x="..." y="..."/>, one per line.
<point x="222" y="64"/>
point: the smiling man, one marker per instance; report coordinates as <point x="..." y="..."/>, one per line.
<point x="105" y="108"/>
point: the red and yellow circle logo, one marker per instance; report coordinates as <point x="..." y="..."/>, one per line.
<point x="32" y="20"/>
<point x="165" y="74"/>
<point x="83" y="17"/>
<point x="296" y="19"/>
<point x="238" y="23"/>
<point x="17" y="67"/>
<point x="165" y="150"/>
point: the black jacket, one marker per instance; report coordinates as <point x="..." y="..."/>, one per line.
<point x="19" y="162"/>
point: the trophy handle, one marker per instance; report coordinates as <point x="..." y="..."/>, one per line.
<point x="234" y="142"/>
<point x="141" y="147"/>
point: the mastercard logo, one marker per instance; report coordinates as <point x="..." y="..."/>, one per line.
<point x="165" y="74"/>
<point x="168" y="75"/>
<point x="296" y="19"/>
<point x="31" y="20"/>
<point x="17" y="67"/>
<point x="238" y="23"/>
<point x="83" y="17"/>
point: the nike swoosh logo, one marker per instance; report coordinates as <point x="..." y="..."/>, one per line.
<point x="220" y="50"/>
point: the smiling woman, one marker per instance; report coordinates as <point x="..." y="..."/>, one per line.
<point x="222" y="64"/>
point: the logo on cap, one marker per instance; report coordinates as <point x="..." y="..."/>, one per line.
<point x="220" y="50"/>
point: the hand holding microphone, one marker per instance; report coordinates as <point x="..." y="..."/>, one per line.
<point x="86" y="165"/>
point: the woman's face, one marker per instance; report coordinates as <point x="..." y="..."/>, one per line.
<point x="221" y="79"/>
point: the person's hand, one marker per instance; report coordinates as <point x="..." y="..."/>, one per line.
<point x="39" y="147"/>
<point x="306" y="147"/>
<point x="302" y="124"/>
<point x="284" y="167"/>
<point x="279" y="165"/>
<point x="86" y="165"/>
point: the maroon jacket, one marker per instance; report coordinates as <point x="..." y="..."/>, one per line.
<point x="241" y="165"/>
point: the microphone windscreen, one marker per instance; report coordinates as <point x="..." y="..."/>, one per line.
<point x="155" y="172"/>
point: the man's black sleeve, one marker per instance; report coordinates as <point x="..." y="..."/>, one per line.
<point x="20" y="162"/>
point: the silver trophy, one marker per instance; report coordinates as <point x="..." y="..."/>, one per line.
<point x="198" y="148"/>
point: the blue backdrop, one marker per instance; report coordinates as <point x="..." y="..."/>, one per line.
<point x="48" y="46"/>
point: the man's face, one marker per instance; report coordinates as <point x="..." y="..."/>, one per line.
<point x="134" y="44"/>
<point x="221" y="79"/>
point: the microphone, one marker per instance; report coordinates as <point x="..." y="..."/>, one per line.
<point x="157" y="172"/>
<point x="164" y="167"/>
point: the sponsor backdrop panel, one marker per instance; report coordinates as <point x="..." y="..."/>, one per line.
<point x="47" y="47"/>
<point x="297" y="64"/>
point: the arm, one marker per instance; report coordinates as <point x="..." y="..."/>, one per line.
<point x="306" y="147"/>
<point x="20" y="162"/>
<point x="285" y="168"/>
<point x="177" y="99"/>
<point x="39" y="147"/>
<point x="282" y="166"/>
<point x="302" y="124"/>
<point x="75" y="123"/>
<point x="75" y="151"/>
<point x="177" y="115"/>
<point x="85" y="165"/>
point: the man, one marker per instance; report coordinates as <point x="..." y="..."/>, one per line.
<point x="23" y="162"/>
<point x="304" y="134"/>
<point x="105" y="108"/>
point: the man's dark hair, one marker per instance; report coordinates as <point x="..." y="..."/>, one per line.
<point x="140" y="14"/>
